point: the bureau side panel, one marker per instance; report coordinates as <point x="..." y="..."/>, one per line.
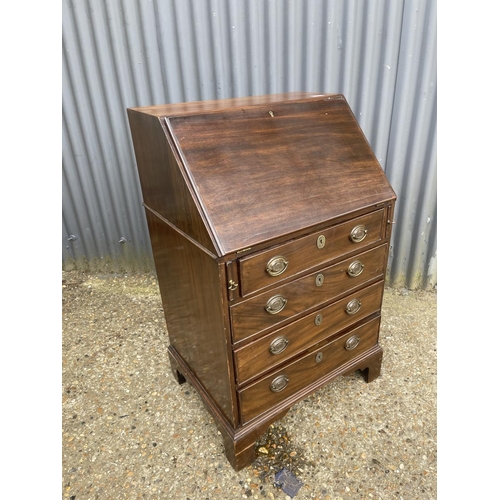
<point x="190" y="289"/>
<point x="164" y="188"/>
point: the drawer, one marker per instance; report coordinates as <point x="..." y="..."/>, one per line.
<point x="280" y="345"/>
<point x="251" y="317"/>
<point x="271" y="266"/>
<point x="281" y="384"/>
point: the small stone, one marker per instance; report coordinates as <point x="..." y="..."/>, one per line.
<point x="401" y="466"/>
<point x="263" y="450"/>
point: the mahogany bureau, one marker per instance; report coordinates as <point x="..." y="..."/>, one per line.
<point x="270" y="222"/>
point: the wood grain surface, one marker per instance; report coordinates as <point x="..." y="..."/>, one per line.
<point x="260" y="176"/>
<point x="303" y="253"/>
<point x="250" y="317"/>
<point x="256" y="358"/>
<point x="258" y="397"/>
<point x="191" y="295"/>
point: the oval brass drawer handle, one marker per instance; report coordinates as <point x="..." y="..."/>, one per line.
<point x="351" y="343"/>
<point x="353" y="306"/>
<point x="279" y="383"/>
<point x="275" y="304"/>
<point x="355" y="268"/>
<point x="358" y="233"/>
<point x="278" y="345"/>
<point x="276" y="266"/>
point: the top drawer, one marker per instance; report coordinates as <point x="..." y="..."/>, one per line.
<point x="271" y="266"/>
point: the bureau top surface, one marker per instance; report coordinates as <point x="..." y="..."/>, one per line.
<point x="267" y="170"/>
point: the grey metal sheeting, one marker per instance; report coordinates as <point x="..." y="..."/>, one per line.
<point x="117" y="54"/>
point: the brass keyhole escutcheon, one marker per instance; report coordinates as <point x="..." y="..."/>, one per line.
<point x="318" y="319"/>
<point x="320" y="242"/>
<point x="320" y="279"/>
<point x="319" y="357"/>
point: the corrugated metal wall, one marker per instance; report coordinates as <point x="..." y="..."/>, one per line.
<point x="381" y="54"/>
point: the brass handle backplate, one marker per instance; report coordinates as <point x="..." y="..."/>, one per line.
<point x="318" y="319"/>
<point x="275" y="304"/>
<point x="353" y="306"/>
<point x="355" y="268"/>
<point x="351" y="343"/>
<point x="279" y="383"/>
<point x="358" y="233"/>
<point x="276" y="266"/>
<point x="278" y="345"/>
<point x="320" y="242"/>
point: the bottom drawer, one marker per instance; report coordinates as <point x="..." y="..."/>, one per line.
<point x="281" y="384"/>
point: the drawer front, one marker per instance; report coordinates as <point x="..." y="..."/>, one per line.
<point x="281" y="384"/>
<point x="287" y="301"/>
<point x="271" y="266"/>
<point x="280" y="345"/>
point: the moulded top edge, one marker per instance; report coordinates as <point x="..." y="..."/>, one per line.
<point x="193" y="107"/>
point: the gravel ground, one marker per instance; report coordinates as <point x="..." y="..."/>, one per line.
<point x="130" y="431"/>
